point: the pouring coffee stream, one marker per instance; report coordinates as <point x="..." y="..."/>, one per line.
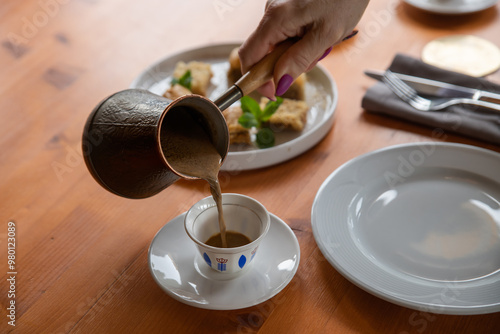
<point x="137" y="143"/>
<point x="191" y="153"/>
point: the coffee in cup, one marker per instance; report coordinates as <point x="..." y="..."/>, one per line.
<point x="243" y="215"/>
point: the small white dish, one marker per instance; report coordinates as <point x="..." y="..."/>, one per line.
<point x="417" y="225"/>
<point x="452" y="7"/>
<point x="177" y="267"/>
<point x="320" y="94"/>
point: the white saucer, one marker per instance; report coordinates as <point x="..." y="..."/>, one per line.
<point x="177" y="267"/>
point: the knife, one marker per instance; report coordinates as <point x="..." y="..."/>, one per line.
<point x="438" y="88"/>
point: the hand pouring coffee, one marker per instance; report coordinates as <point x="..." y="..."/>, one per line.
<point x="143" y="142"/>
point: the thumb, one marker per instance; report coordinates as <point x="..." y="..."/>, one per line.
<point x="299" y="58"/>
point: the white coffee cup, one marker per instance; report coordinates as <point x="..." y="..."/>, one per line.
<point x="242" y="214"/>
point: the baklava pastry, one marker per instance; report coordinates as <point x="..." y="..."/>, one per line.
<point x="201" y="73"/>
<point x="237" y="133"/>
<point x="291" y="114"/>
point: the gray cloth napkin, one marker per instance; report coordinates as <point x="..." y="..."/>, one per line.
<point x="471" y="121"/>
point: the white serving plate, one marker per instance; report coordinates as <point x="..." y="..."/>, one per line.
<point x="321" y="96"/>
<point x="452" y="7"/>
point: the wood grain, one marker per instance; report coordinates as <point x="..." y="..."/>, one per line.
<point x="82" y="252"/>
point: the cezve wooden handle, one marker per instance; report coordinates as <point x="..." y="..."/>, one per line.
<point x="262" y="72"/>
<point x="258" y="75"/>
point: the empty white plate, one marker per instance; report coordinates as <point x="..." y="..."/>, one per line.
<point x="417" y="225"/>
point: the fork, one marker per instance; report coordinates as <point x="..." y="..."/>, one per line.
<point x="410" y="96"/>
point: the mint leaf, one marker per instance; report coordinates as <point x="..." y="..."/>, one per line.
<point x="184" y="80"/>
<point x="248" y="120"/>
<point x="265" y="138"/>
<point x="253" y="116"/>
<point x="270" y="109"/>
<point x="249" y="105"/>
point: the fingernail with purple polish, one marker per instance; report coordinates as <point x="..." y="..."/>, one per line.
<point x="283" y="85"/>
<point x="326" y="53"/>
<point x="351" y="35"/>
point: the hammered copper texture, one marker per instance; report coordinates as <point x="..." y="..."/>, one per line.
<point x="120" y="141"/>
<point x="126" y="160"/>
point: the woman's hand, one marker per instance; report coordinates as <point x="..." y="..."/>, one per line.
<point x="317" y="25"/>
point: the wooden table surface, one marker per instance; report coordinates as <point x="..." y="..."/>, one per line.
<point x="81" y="252"/>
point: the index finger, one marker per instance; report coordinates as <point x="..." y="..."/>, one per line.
<point x="261" y="41"/>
